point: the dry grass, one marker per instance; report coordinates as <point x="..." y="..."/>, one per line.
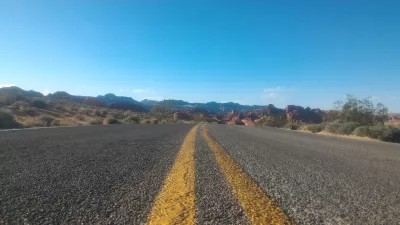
<point x="395" y="123"/>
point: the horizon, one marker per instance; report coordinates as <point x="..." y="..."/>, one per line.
<point x="308" y="53"/>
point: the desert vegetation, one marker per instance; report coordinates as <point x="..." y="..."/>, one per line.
<point x="356" y="117"/>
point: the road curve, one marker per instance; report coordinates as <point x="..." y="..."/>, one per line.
<point x="134" y="174"/>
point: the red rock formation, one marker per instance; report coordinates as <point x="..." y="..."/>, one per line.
<point x="307" y="115"/>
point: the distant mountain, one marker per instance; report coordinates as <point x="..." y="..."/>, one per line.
<point x="66" y="96"/>
<point x="108" y="99"/>
<point x="18" y="91"/>
<point x="121" y="102"/>
<point x="212" y="107"/>
<point x="9" y="95"/>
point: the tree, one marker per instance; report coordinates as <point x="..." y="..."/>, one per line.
<point x="381" y="113"/>
<point x="361" y="111"/>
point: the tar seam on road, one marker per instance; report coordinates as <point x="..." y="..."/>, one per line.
<point x="175" y="204"/>
<point x="259" y="208"/>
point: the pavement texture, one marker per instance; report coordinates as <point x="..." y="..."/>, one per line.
<point x="96" y="174"/>
<point x="122" y="174"/>
<point x="215" y="201"/>
<point x="319" y="179"/>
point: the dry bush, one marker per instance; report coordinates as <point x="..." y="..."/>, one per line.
<point x="293" y="125"/>
<point x="96" y="121"/>
<point x="86" y="111"/>
<point x="341" y="128"/>
<point x="131" y="120"/>
<point x="7" y="120"/>
<point x="46" y="120"/>
<point x="145" y="121"/>
<point x="111" y="120"/>
<point x="20" y="105"/>
<point x="32" y="122"/>
<point x="314" y="128"/>
<point x="60" y="122"/>
<point x="80" y="117"/>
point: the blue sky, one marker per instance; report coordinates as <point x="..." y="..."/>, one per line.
<point x="308" y="53"/>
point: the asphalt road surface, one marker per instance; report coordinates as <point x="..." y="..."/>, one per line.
<point x="213" y="174"/>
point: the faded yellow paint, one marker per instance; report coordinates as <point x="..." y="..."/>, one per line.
<point x="259" y="208"/>
<point x="175" y="204"/>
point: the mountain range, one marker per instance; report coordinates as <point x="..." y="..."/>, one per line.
<point x="122" y="102"/>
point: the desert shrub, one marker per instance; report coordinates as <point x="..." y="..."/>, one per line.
<point x="46" y="120"/>
<point x="314" y="128"/>
<point x="85" y="111"/>
<point x="96" y="121"/>
<point x="131" y="120"/>
<point x="116" y="114"/>
<point x="111" y="120"/>
<point x="272" y="121"/>
<point x="145" y="121"/>
<point x="293" y="125"/>
<point x="40" y="104"/>
<point x="32" y="122"/>
<point x="30" y="111"/>
<point x="341" y="128"/>
<point x="60" y="122"/>
<point x="362" y="131"/>
<point x="7" y="120"/>
<point x="60" y="108"/>
<point x="347" y="128"/>
<point x="100" y="112"/>
<point x="154" y="121"/>
<point x="80" y="117"/>
<point x="332" y="127"/>
<point x="20" y="105"/>
<point x="383" y="133"/>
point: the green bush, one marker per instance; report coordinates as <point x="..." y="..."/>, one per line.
<point x="383" y="133"/>
<point x="96" y="121"/>
<point x="272" y="121"/>
<point x="341" y="128"/>
<point x="347" y="128"/>
<point x="46" y="120"/>
<point x="40" y="104"/>
<point x="131" y="120"/>
<point x="362" y="131"/>
<point x="111" y="120"/>
<point x="314" y="128"/>
<point x="7" y="120"/>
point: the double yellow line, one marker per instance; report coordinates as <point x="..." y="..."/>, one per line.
<point x="175" y="204"/>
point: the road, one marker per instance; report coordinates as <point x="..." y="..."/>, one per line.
<point x="186" y="174"/>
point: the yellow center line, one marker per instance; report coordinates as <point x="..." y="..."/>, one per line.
<point x="175" y="204"/>
<point x="260" y="209"/>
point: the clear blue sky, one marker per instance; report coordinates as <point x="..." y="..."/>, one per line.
<point x="309" y="53"/>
